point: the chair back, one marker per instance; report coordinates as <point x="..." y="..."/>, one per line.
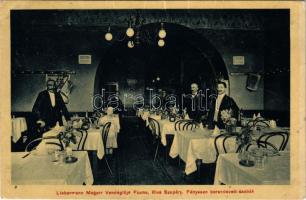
<point x="261" y="144"/>
<point x="185" y="124"/>
<point x="83" y="137"/>
<point x="154" y="126"/>
<point x="278" y="139"/>
<point x="49" y="141"/>
<point x="223" y="148"/>
<point x="258" y="122"/>
<point x="190" y="125"/>
<point x="105" y="131"/>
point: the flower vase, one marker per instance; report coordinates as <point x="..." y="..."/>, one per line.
<point x="228" y="128"/>
<point x="68" y="151"/>
<point x="243" y="157"/>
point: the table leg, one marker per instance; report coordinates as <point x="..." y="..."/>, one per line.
<point x="198" y="163"/>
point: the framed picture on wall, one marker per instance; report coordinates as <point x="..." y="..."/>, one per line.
<point x="253" y="82"/>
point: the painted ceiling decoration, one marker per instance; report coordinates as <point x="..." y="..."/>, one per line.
<point x="196" y="19"/>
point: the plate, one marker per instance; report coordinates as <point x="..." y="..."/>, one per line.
<point x="70" y="159"/>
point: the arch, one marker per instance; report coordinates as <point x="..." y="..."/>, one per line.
<point x="186" y="36"/>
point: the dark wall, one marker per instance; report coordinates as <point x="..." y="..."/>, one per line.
<point x="51" y="48"/>
<point x="55" y="50"/>
<point x="277" y="62"/>
<point x="41" y="51"/>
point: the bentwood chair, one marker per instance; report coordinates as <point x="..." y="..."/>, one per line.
<point x="224" y="138"/>
<point x="261" y="144"/>
<point x="155" y="128"/>
<point x="278" y="139"/>
<point x="184" y="125"/>
<point x="221" y="146"/>
<point x="105" y="131"/>
<point x="258" y="122"/>
<point x="50" y="141"/>
<point x="83" y="137"/>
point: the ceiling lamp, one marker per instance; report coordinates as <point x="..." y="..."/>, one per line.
<point x="108" y="35"/>
<point x="161" y="43"/>
<point x="134" y="34"/>
<point x="130" y="44"/>
<point x="130" y="31"/>
<point x="162" y="32"/>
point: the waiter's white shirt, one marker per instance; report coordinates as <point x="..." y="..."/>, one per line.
<point x="194" y="95"/>
<point x="217" y="106"/>
<point x="52" y="98"/>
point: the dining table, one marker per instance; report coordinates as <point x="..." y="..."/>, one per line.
<point x="19" y="125"/>
<point x="198" y="144"/>
<point x="42" y="169"/>
<point x="93" y="141"/>
<point x="276" y="170"/>
<point x="166" y="128"/>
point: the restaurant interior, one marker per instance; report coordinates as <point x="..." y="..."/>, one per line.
<point x="134" y="54"/>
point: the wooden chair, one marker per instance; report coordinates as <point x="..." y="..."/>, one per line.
<point x="105" y="131"/>
<point x="262" y="144"/>
<point x="258" y="122"/>
<point x="270" y="137"/>
<point x="225" y="137"/>
<point x="184" y="124"/>
<point x="49" y="141"/>
<point x="83" y="137"/>
<point x="155" y="128"/>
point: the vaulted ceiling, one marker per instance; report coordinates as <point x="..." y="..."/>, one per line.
<point x="99" y="19"/>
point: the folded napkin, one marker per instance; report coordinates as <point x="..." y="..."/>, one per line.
<point x="110" y="110"/>
<point x="216" y="131"/>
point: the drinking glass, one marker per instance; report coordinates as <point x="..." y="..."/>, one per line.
<point x="260" y="162"/>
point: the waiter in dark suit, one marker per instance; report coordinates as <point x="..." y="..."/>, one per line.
<point x="218" y="104"/>
<point x="49" y="107"/>
<point x="192" y="104"/>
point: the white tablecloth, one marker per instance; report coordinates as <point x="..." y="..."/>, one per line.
<point x="199" y="144"/>
<point x="275" y="172"/>
<point x="19" y="125"/>
<point x="113" y="131"/>
<point x="40" y="170"/>
<point x="144" y="115"/>
<point x="166" y="128"/>
<point x="93" y="142"/>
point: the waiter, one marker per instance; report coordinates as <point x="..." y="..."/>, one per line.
<point x="218" y="104"/>
<point x="192" y="104"/>
<point x="49" y="107"/>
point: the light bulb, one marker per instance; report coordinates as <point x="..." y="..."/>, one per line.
<point x="130" y="32"/>
<point x="158" y="79"/>
<point x="161" y="43"/>
<point x="130" y="44"/>
<point x="162" y="33"/>
<point x="108" y="36"/>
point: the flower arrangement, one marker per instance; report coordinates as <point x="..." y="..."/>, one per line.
<point x="244" y="139"/>
<point x="226" y="116"/>
<point x="67" y="137"/>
